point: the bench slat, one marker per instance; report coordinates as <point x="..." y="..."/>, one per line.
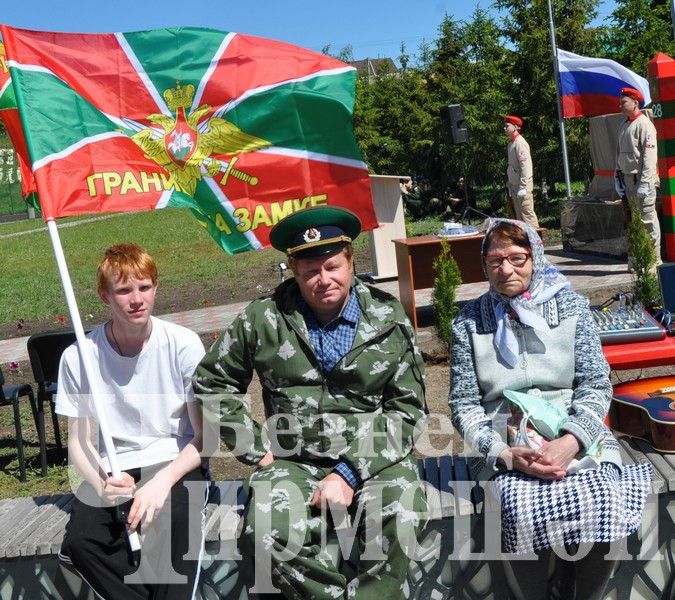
<point x="447" y="489"/>
<point x="53" y="521"/>
<point x="222" y="514"/>
<point x="20" y="523"/>
<point x="465" y="505"/>
<point x="431" y="486"/>
<point x="659" y="463"/>
<point x="670" y="459"/>
<point x="628" y="444"/>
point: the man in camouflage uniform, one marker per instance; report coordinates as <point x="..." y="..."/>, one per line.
<point x="636" y="165"/>
<point x="343" y="390"/>
<point x="519" y="172"/>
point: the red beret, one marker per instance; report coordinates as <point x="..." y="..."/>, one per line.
<point x="633" y="93"/>
<point x="517" y="121"/>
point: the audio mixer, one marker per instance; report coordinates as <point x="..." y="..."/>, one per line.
<point x="627" y="325"/>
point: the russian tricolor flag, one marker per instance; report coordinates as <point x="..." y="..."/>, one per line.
<point x="590" y="86"/>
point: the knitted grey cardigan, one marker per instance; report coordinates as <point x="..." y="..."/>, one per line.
<point x="564" y="366"/>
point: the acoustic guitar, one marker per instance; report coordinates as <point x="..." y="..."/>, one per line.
<point x="646" y="409"/>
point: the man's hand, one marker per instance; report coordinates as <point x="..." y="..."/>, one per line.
<point x="113" y="490"/>
<point x="527" y="460"/>
<point x="149" y="500"/>
<point x="642" y="191"/>
<point x="559" y="452"/>
<point x="266" y="460"/>
<point x="334" y="490"/>
<point x="522" y="193"/>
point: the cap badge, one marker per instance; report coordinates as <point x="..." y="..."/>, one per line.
<point x="311" y="235"/>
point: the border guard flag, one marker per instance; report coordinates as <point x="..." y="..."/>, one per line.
<point x="590" y="87"/>
<point x="241" y="129"/>
<point x="9" y="115"/>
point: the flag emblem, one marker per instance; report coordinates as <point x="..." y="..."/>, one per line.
<point x="185" y="145"/>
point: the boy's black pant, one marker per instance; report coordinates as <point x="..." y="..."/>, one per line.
<point x="96" y="545"/>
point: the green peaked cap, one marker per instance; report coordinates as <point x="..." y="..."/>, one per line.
<point x="315" y="231"/>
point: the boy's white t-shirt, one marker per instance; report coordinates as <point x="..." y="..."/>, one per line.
<point x="145" y="397"/>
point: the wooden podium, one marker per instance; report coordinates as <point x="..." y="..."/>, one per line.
<point x="388" y="206"/>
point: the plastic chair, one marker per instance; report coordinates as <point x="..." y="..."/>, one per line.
<point x="45" y="350"/>
<point x="10" y="395"/>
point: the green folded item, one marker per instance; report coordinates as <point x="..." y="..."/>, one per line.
<point x="547" y="420"/>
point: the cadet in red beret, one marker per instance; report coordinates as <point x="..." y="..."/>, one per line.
<point x="519" y="172"/>
<point x="634" y="94"/>
<point x="636" y="177"/>
<point x="517" y="121"/>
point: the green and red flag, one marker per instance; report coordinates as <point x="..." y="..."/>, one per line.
<point x="9" y="115"/>
<point x="241" y="129"/>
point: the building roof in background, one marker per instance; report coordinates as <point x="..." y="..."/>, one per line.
<point x="374" y="66"/>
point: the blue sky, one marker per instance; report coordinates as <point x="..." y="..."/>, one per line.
<point x="374" y="28"/>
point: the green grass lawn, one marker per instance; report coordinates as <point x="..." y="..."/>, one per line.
<point x="56" y="480"/>
<point x="189" y="262"/>
<point x="187" y="259"/>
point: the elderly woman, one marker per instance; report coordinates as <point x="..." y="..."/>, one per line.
<point x="530" y="333"/>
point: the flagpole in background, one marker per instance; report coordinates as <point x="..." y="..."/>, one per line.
<point x="556" y="74"/>
<point x="85" y="354"/>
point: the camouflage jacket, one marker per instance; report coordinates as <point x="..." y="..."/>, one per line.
<point x="364" y="411"/>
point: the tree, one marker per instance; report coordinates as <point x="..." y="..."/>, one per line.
<point x="640" y="29"/>
<point x="346" y="53"/>
<point x="444" y="296"/>
<point x="392" y="121"/>
<point x="481" y="84"/>
<point x="534" y="97"/>
<point x="494" y="67"/>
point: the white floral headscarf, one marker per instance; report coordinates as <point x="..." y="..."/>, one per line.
<point x="545" y="283"/>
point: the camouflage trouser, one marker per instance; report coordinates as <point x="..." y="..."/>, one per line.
<point x="288" y="536"/>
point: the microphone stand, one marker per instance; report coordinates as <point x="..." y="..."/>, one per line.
<point x="470" y="209"/>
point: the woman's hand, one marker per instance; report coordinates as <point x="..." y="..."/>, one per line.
<point x="528" y="461"/>
<point x="560" y="452"/>
<point x="149" y="500"/>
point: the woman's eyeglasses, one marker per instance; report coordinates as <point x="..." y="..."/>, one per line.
<point x="517" y="259"/>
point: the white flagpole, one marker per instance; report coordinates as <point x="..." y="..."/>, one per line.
<point x="556" y="74"/>
<point x="85" y="355"/>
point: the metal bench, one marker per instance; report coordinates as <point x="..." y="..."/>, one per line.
<point x="31" y="531"/>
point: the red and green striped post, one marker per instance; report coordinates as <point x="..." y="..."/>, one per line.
<point x="661" y="70"/>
